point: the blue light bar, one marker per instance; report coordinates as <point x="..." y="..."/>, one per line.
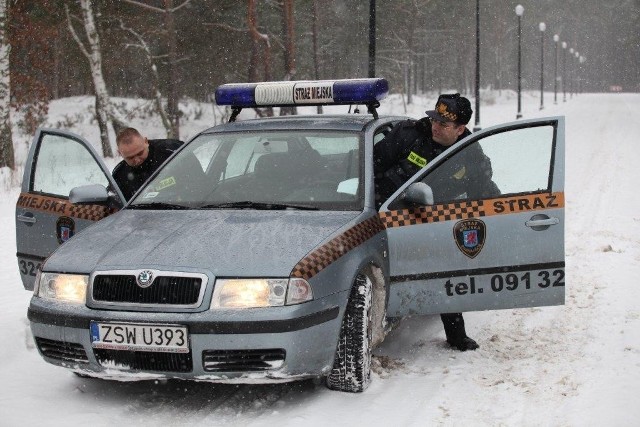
<point x="319" y="92"/>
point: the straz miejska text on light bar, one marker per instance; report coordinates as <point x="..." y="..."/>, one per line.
<point x="321" y="92"/>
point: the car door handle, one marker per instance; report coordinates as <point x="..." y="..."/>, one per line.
<point x="28" y="218"/>
<point x="541" y="222"/>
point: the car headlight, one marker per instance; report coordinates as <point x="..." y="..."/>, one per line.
<point x="65" y="287"/>
<point x="248" y="293"/>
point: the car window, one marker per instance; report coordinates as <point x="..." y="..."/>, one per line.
<point x="381" y="132"/>
<point x="510" y="162"/>
<point x="204" y="153"/>
<point x="521" y="159"/>
<point x="62" y="164"/>
<point x="338" y="145"/>
<point x="242" y="157"/>
<point x="316" y="168"/>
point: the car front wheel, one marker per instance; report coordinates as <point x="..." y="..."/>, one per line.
<point x="351" y="370"/>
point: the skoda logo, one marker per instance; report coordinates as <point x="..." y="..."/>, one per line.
<point x="145" y="278"/>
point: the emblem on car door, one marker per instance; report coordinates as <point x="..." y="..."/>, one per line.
<point x="145" y="278"/>
<point x="65" y="229"/>
<point x="469" y="235"/>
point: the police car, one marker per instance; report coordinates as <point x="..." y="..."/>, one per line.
<point x="256" y="253"/>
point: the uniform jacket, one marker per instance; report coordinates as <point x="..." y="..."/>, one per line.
<point x="130" y="179"/>
<point x="409" y="147"/>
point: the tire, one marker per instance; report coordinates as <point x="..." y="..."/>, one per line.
<point x="351" y="370"/>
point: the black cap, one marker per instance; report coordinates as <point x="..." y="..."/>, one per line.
<point x="452" y="108"/>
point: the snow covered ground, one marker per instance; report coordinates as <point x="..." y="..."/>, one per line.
<point x="574" y="365"/>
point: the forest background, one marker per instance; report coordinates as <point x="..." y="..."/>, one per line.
<point x="172" y="50"/>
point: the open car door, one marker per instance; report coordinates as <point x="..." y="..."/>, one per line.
<point x="466" y="252"/>
<point x="58" y="161"/>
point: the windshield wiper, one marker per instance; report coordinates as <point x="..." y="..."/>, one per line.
<point x="158" y="205"/>
<point x="259" y="206"/>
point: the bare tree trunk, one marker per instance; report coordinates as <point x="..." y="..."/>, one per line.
<point x="255" y="41"/>
<point x="290" y="46"/>
<point x="172" y="97"/>
<point x="314" y="39"/>
<point x="6" y="142"/>
<point x="105" y="110"/>
<point x="103" y="123"/>
<point x="55" y="90"/>
<point x="257" y="38"/>
<point x="157" y="94"/>
<point x="289" y="49"/>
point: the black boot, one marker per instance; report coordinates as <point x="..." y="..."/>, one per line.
<point x="456" y="335"/>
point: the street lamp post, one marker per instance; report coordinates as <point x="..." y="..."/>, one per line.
<point x="477" y="120"/>
<point x="519" y="12"/>
<point x="582" y="60"/>
<point x="564" y="72"/>
<point x="542" y="27"/>
<point x="372" y="38"/>
<point x="570" y="79"/>
<point x="556" y="38"/>
<point x="577" y="76"/>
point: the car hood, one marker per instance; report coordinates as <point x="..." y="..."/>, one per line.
<point x="222" y="242"/>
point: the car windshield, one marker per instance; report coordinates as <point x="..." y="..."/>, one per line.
<point x="261" y="170"/>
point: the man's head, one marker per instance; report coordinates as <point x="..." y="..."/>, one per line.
<point x="133" y="147"/>
<point x="449" y="118"/>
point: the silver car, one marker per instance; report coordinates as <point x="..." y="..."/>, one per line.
<point x="257" y="252"/>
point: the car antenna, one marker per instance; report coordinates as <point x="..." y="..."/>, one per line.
<point x="371" y="108"/>
<point x="234" y="113"/>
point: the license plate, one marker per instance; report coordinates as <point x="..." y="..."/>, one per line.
<point x="140" y="337"/>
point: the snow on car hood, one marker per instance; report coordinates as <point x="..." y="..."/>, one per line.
<point x="223" y="242"/>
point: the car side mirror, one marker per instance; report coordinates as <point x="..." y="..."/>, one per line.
<point x="94" y="194"/>
<point x="418" y="193"/>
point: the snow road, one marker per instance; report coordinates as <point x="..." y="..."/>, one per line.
<point x="578" y="364"/>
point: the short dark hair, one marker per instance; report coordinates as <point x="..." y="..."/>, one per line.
<point x="125" y="136"/>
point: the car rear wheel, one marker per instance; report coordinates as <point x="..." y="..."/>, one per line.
<point x="351" y="370"/>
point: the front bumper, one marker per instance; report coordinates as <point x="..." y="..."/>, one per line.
<point x="306" y="334"/>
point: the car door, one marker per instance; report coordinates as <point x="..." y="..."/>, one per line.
<point x="57" y="162"/>
<point x="501" y="249"/>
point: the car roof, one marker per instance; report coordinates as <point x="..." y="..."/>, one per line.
<point x="346" y="122"/>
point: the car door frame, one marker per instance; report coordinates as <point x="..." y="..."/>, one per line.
<point x="441" y="290"/>
<point x="37" y="211"/>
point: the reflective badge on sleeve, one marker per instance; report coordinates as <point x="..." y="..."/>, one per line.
<point x="417" y="160"/>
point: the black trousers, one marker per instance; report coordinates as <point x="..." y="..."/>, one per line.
<point x="453" y="326"/>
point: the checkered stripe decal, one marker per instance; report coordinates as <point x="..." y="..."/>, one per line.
<point x="89" y="212"/>
<point x="437" y="213"/>
<point x="62" y="207"/>
<point x="322" y="257"/>
<point x="319" y="259"/>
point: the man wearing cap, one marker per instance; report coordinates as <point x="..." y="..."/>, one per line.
<point x="410" y="145"/>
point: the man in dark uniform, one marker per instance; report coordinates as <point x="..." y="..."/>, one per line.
<point x="141" y="158"/>
<point x="410" y="145"/>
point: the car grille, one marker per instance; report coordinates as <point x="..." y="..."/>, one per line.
<point x="165" y="290"/>
<point x="242" y="360"/>
<point x="145" y="360"/>
<point x="65" y="351"/>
